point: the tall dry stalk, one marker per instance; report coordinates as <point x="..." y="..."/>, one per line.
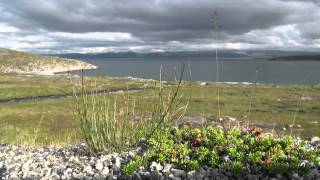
<point x="295" y="113"/>
<point x="215" y="22"/>
<point x="251" y="95"/>
<point x="167" y="111"/>
<point x="37" y="131"/>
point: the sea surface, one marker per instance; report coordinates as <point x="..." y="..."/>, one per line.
<point x="205" y="69"/>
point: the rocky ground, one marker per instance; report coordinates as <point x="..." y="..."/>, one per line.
<point x="70" y="162"/>
<point x="73" y="162"/>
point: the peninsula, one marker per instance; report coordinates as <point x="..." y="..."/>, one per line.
<point x="26" y="63"/>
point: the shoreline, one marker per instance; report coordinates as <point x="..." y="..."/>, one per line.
<point x="89" y="67"/>
<point x="199" y="82"/>
<point x="76" y="70"/>
<point x="52" y="71"/>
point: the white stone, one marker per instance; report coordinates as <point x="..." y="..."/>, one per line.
<point x="167" y="168"/>
<point x="88" y="170"/>
<point x="156" y="166"/>
<point x="69" y="170"/>
<point x="25" y="166"/>
<point x="105" y="171"/>
<point x="315" y="139"/>
<point x="99" y="165"/>
<point x="118" y="162"/>
<point x="203" y="84"/>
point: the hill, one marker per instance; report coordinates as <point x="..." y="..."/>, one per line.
<point x="20" y="62"/>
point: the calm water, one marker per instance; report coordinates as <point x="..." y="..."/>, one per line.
<point x="204" y="69"/>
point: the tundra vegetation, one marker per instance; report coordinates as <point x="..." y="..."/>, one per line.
<point x="115" y="114"/>
<point x="272" y="107"/>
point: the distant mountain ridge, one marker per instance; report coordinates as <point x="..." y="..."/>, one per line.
<point x="26" y="63"/>
<point x="189" y="54"/>
<point x="149" y="55"/>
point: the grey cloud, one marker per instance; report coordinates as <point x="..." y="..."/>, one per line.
<point x="159" y="21"/>
<point x="235" y="16"/>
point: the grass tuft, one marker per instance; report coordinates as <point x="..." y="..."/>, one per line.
<point x="115" y="123"/>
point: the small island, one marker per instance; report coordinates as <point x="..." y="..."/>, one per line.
<point x="297" y="58"/>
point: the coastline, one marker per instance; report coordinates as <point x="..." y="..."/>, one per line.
<point x="26" y="63"/>
<point x="50" y="71"/>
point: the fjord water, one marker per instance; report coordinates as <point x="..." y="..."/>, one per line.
<point x="204" y="69"/>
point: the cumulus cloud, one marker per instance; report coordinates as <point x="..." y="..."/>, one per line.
<point x="157" y="25"/>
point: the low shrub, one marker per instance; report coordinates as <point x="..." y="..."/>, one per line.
<point x="232" y="150"/>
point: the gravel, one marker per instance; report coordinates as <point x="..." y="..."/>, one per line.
<point x="69" y="162"/>
<point x="73" y="162"/>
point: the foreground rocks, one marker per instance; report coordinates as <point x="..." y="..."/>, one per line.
<point x="207" y="173"/>
<point x="70" y="162"/>
<point x="73" y="162"/>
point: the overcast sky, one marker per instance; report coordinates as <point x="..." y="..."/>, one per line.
<point x="62" y="26"/>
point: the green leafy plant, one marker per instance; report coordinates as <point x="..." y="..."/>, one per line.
<point x="236" y="167"/>
<point x="134" y="165"/>
<point x="191" y="148"/>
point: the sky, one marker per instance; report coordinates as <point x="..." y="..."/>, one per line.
<point x="93" y="26"/>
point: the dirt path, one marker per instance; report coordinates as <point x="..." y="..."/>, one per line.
<point x="47" y="97"/>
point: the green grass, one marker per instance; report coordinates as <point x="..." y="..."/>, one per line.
<point x="19" y="122"/>
<point x="21" y="86"/>
<point x="281" y="105"/>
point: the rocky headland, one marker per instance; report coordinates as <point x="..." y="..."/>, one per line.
<point x="26" y="63"/>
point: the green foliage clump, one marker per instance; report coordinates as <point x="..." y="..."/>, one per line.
<point x="134" y="165"/>
<point x="190" y="149"/>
